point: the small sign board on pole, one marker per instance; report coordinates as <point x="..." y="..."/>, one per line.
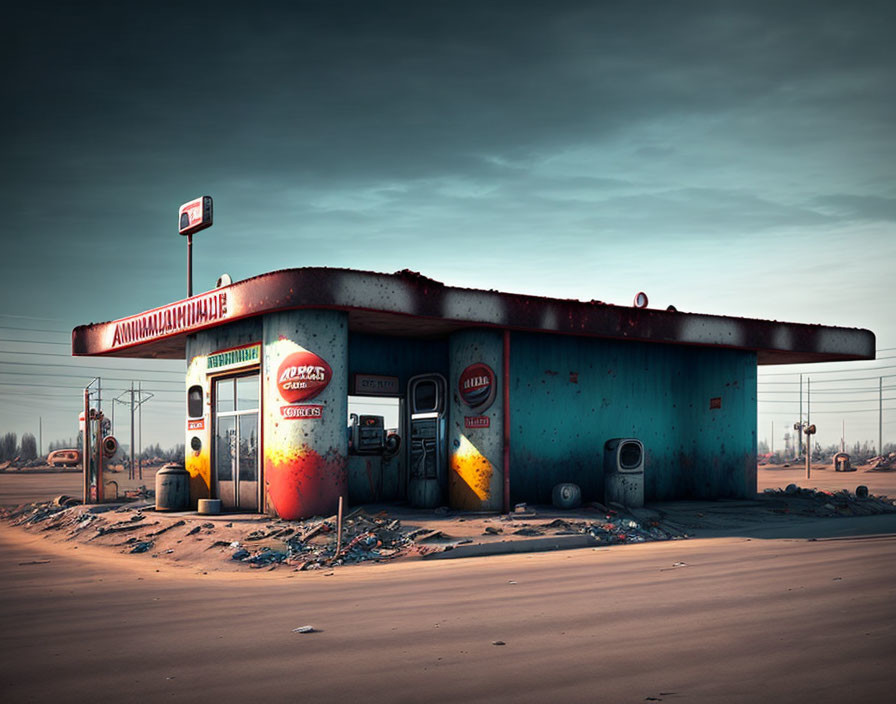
<point x="195" y="215"/>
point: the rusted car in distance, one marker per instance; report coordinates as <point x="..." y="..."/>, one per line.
<point x="64" y="458"/>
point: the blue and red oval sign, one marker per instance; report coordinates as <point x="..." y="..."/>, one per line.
<point x="477" y="386"/>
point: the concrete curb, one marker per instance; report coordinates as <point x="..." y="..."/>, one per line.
<point x="507" y="547"/>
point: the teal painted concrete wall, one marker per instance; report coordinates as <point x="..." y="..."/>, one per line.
<point x="569" y="395"/>
<point x="395" y="356"/>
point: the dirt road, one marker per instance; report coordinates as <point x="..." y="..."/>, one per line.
<point x="724" y="620"/>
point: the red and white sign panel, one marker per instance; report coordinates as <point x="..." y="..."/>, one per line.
<point x="302" y="376"/>
<point x="477" y="386"/>
<point x="301" y="412"/>
<point x="196" y="424"/>
<point x="476" y="421"/>
<point x="195" y="215"/>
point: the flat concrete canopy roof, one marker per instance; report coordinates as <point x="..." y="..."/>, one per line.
<point x="411" y="305"/>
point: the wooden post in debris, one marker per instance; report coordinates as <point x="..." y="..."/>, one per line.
<point x="808" y="455"/>
<point x="339" y="528"/>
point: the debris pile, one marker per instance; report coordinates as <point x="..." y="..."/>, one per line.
<point x="315" y="543"/>
<point x="883" y="462"/>
<point x="818" y="502"/>
<point x="613" y="529"/>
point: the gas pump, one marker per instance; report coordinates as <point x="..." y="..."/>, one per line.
<point x="370" y="447"/>
<point x="427" y="448"/>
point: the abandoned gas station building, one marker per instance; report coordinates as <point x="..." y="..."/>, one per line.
<point x="501" y="396"/>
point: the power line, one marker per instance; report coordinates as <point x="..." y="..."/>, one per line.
<point x="832" y="381"/>
<point x="81" y="376"/>
<point x="58" y="332"/>
<point x="84" y="369"/>
<point x="60" y="386"/>
<point x="36" y="342"/>
<point x="842" y="412"/>
<point x="832" y="371"/>
<point x="29" y="317"/>
<point x="863" y="390"/>
<point x="832" y="400"/>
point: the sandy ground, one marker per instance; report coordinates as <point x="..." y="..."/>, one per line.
<point x="768" y="616"/>
<point x="725" y="620"/>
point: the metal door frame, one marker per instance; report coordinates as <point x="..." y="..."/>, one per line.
<point x="213" y="383"/>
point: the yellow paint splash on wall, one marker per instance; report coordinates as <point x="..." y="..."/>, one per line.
<point x="199" y="467"/>
<point x="469" y="478"/>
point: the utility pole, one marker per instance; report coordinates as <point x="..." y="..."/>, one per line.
<point x="880" y="417"/>
<point x="800" y="428"/>
<point x="140" y="427"/>
<point x="40" y="436"/>
<point x="773" y="437"/>
<point x="131" y="472"/>
<point x="843" y="437"/>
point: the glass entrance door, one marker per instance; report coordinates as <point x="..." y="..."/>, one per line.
<point x="236" y="442"/>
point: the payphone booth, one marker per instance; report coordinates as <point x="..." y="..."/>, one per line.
<point x="427" y="446"/>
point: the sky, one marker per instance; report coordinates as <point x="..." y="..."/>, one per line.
<point x="727" y="158"/>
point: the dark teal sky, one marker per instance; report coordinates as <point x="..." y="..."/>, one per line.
<point x="732" y="158"/>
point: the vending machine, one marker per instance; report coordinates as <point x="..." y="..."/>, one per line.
<point x="427" y="446"/>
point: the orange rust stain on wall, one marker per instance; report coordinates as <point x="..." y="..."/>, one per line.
<point x="469" y="478"/>
<point x="199" y="467"/>
<point x="301" y="483"/>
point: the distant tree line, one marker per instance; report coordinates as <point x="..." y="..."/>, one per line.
<point x="174" y="454"/>
<point x="10" y="448"/>
<point x="857" y="451"/>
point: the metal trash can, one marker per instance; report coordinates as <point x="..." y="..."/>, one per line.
<point x="624" y="472"/>
<point x="842" y="463"/>
<point x="172" y="488"/>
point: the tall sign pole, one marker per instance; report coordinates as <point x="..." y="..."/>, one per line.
<point x="192" y="217"/>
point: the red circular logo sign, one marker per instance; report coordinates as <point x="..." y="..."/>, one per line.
<point x="302" y="375"/>
<point x="477" y="386"/>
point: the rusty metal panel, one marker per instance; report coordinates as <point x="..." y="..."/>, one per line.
<point x="570" y="395"/>
<point x="412" y="305"/>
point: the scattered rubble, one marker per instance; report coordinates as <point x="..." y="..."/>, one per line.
<point x="818" y="502"/>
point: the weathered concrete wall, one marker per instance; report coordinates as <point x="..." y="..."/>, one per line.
<point x="199" y="347"/>
<point x="475" y="455"/>
<point x="305" y="457"/>
<point x="569" y="395"/>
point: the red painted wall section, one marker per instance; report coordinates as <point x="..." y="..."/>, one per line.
<point x="305" y="412"/>
<point x="303" y="482"/>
